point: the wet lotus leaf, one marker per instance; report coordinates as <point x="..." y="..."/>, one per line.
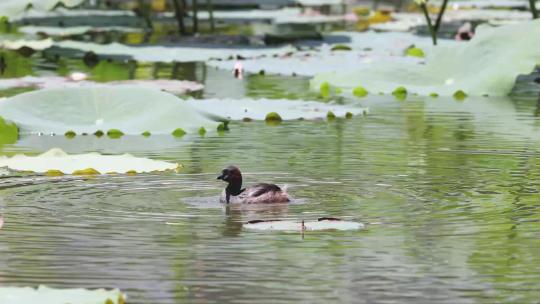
<point x="131" y="172"/>
<point x="360" y="91"/>
<point x="132" y="110"/>
<point x="46" y="295"/>
<point x="415" y="52"/>
<point x="478" y="67"/>
<point x="70" y="134"/>
<point x="273" y="116"/>
<point x="146" y="134"/>
<point x="178" y="132"/>
<point x="9" y="133"/>
<point x="271" y="109"/>
<point x="56" y="160"/>
<point x="341" y="47"/>
<point x="460" y="95"/>
<point x="292" y="226"/>
<point x="202" y="131"/>
<point x="400" y="93"/>
<point x="115" y="133"/>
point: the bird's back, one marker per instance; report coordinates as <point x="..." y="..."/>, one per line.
<point x="259" y="194"/>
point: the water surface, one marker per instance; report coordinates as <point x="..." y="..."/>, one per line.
<point x="449" y="191"/>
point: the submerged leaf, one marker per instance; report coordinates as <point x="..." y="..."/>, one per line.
<point x="87" y="171"/>
<point x="178" y="132"/>
<point x="325" y="90"/>
<point x="9" y="133"/>
<point x="460" y="95"/>
<point x="341" y="47"/>
<point x="115" y="133"/>
<point x="415" y="52"/>
<point x="360" y="91"/>
<point x="202" y="131"/>
<point x="57" y="161"/>
<point x="273" y="116"/>
<point x="70" y="134"/>
<point x="330" y="115"/>
<point x="54" y="173"/>
<point x="400" y="93"/>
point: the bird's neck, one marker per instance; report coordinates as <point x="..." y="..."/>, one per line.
<point x="234" y="187"/>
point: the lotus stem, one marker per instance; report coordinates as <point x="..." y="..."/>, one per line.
<point x="210" y="9"/>
<point x="440" y="15"/>
<point x="195" y="18"/>
<point x="534" y="11"/>
<point x="179" y="9"/>
<point x="430" y="26"/>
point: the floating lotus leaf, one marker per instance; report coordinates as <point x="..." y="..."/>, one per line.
<point x="53" y="82"/>
<point x="292" y="226"/>
<point x="271" y="109"/>
<point x="367" y="49"/>
<point x="488" y="64"/>
<point x="74" y="30"/>
<point x="132" y="110"/>
<point x="46" y="295"/>
<point x="36" y="45"/>
<point x="170" y="54"/>
<point x="57" y="161"/>
<point x="13" y="9"/>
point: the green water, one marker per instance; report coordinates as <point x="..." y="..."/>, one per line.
<point x="448" y="190"/>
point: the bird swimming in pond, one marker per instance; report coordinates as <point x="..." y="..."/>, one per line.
<point x="256" y="194"/>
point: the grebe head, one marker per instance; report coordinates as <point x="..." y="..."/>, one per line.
<point x="231" y="175"/>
